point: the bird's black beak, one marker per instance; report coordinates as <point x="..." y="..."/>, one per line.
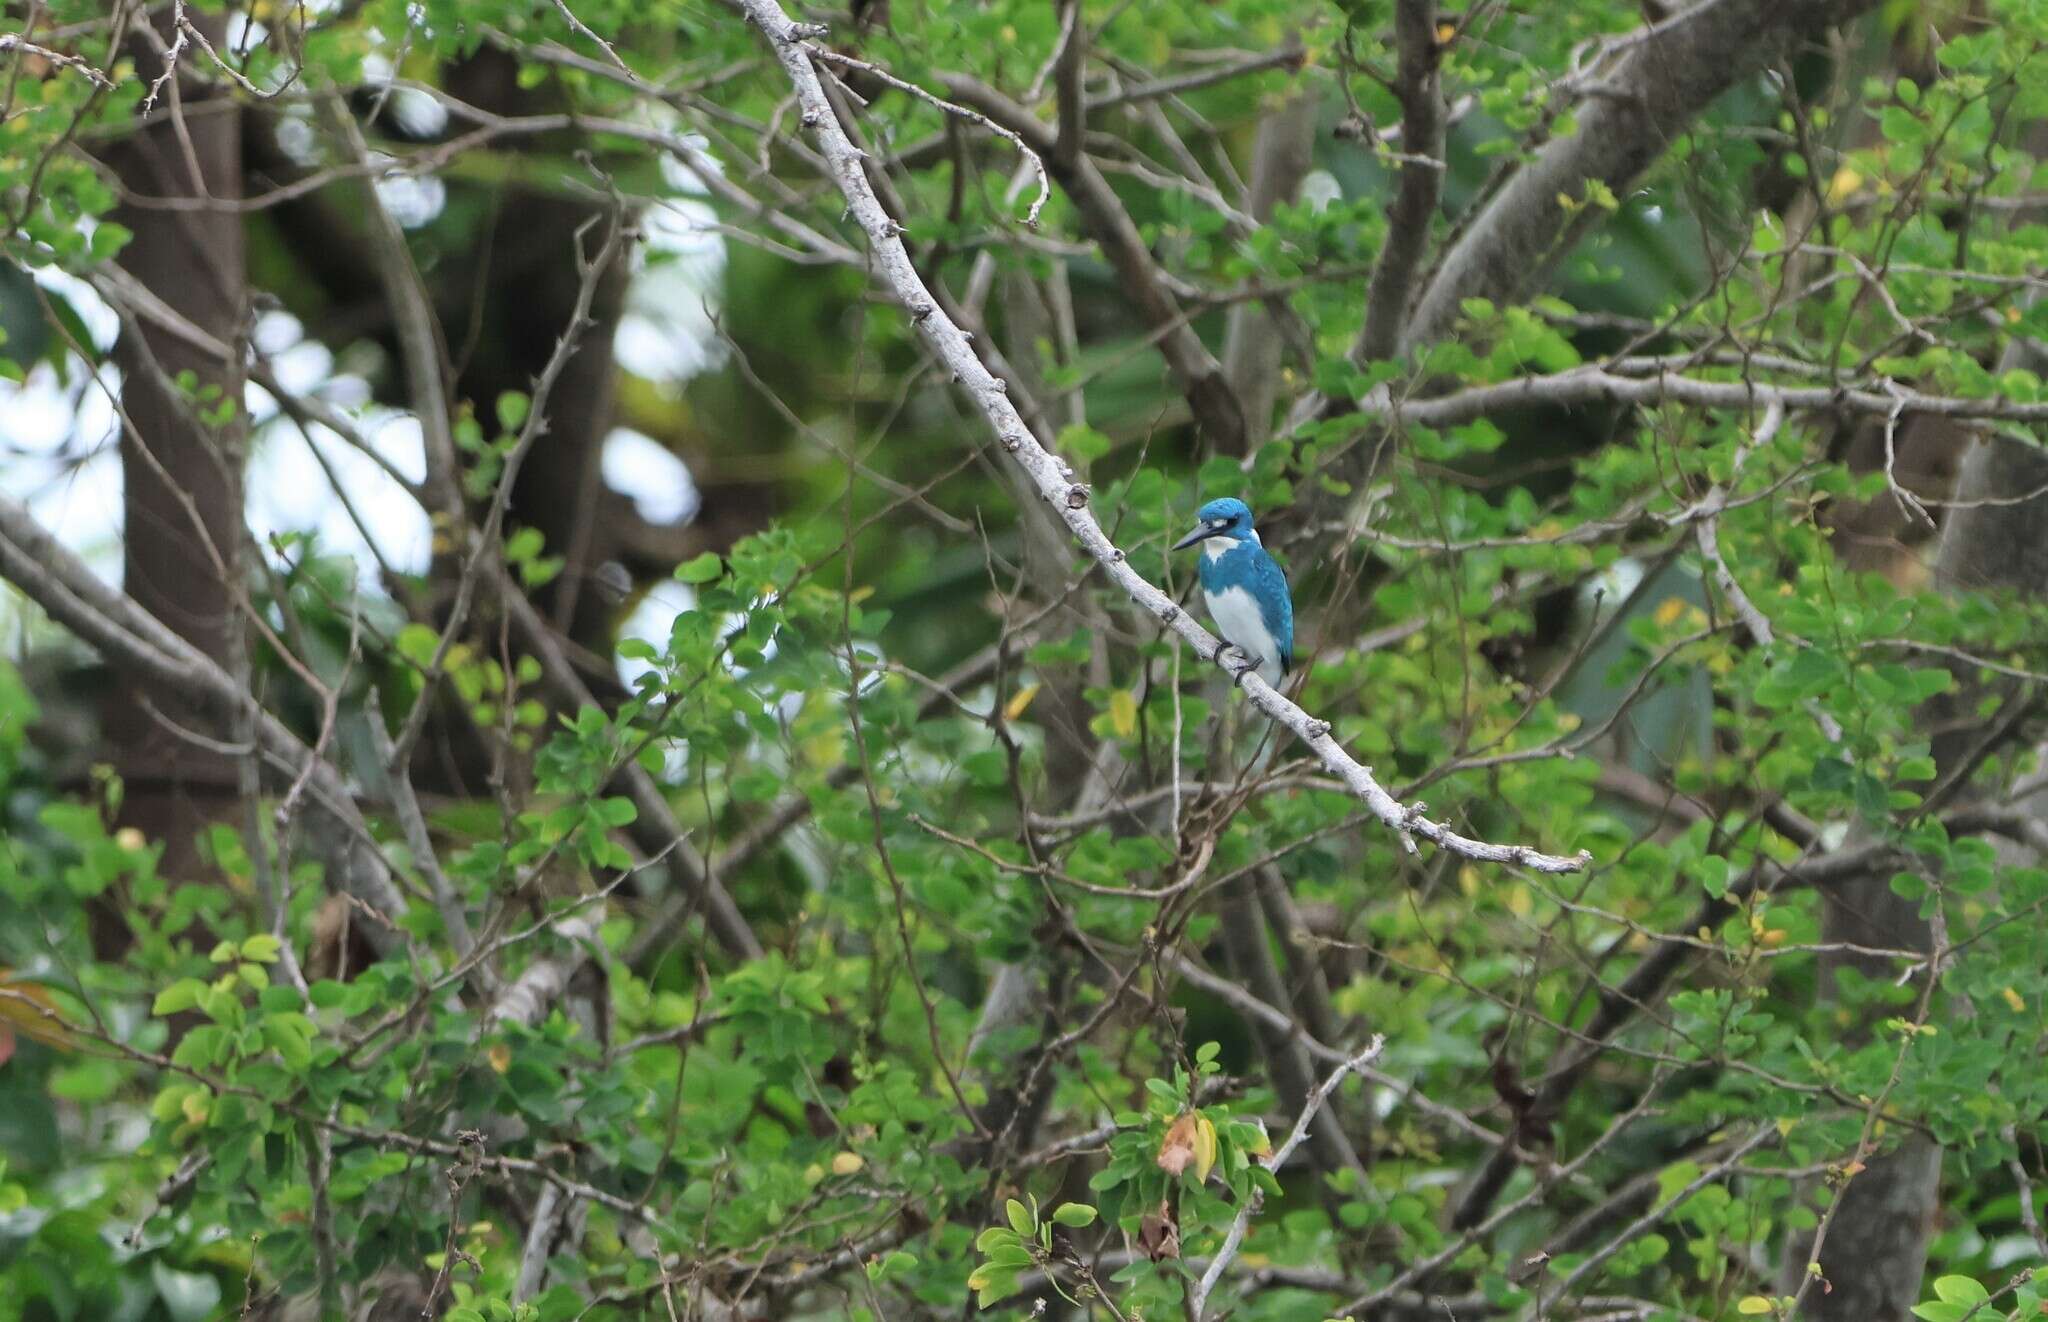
<point x="1197" y="535"/>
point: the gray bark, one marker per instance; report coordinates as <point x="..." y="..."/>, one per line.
<point x="1419" y="88"/>
<point x="1281" y="156"/>
<point x="1651" y="95"/>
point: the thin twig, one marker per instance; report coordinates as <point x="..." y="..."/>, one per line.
<point x="953" y="108"/>
<point x="1198" y="1296"/>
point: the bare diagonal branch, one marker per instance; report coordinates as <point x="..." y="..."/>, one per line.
<point x="1054" y="478"/>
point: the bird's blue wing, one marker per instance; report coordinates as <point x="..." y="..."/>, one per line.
<point x="1276" y="602"/>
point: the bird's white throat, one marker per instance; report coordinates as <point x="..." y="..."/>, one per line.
<point x="1218" y="547"/>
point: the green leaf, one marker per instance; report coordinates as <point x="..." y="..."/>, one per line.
<point x="523" y="545"/>
<point x="513" y="406"/>
<point x="108" y="238"/>
<point x="1928" y="682"/>
<point x="1011" y="1253"/>
<point x="292" y="1038"/>
<point x="1966" y="1290"/>
<point x="704" y="569"/>
<point x="1074" y="1215"/>
<point x="180" y="995"/>
<point x="1020" y="1218"/>
<point x="1916" y="768"/>
<point x="1713" y="874"/>
<point x="993" y="1284"/>
<point x="417" y="644"/>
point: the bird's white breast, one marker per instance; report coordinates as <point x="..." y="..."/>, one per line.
<point x="1240" y="621"/>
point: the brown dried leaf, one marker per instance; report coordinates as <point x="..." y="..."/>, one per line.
<point x="1177" y="1151"/>
<point x="1159" y="1234"/>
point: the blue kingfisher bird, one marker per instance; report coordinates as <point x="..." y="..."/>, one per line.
<point x="1245" y="588"/>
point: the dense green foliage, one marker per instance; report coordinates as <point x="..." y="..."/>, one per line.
<point x="999" y="837"/>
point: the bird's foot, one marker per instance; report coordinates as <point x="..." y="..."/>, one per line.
<point x="1237" y="662"/>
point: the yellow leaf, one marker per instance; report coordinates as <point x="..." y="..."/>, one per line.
<point x="197" y="1106"/>
<point x="1123" y="713"/>
<point x="2016" y="1001"/>
<point x="29" y="1008"/>
<point x="847" y="1163"/>
<point x="1844" y="184"/>
<point x="501" y="1057"/>
<point x="1019" y="701"/>
<point x="1753" y="1305"/>
<point x="1444" y="33"/>
<point x="1668" y="611"/>
<point x="1205" y="1147"/>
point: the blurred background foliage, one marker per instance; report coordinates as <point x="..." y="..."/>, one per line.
<point x="1010" y="870"/>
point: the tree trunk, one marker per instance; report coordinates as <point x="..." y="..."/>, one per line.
<point x="1876" y="1245"/>
<point x="182" y="492"/>
<point x="525" y="270"/>
<point x="1282" y="153"/>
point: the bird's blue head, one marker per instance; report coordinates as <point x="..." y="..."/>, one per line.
<point x="1228" y="517"/>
